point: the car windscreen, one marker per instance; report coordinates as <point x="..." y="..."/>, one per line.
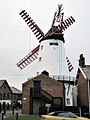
<point x="67" y="115"/>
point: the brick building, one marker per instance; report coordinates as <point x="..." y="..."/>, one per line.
<point x="9" y="94"/>
<point x="41" y="91"/>
<point x="5" y="91"/>
<point x="16" y="94"/>
<point x="83" y="86"/>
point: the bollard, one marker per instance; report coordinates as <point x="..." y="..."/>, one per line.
<point x="16" y="116"/>
<point x="80" y="111"/>
<point x="2" y="116"/>
<point x="12" y="111"/>
<point x="4" y="111"/>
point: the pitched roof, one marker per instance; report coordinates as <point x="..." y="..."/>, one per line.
<point x="50" y="85"/>
<point x="41" y="77"/>
<point x="4" y="82"/>
<point x="15" y="90"/>
<point x="85" y="71"/>
<point x="1" y="82"/>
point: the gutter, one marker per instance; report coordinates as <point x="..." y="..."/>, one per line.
<point x="82" y="72"/>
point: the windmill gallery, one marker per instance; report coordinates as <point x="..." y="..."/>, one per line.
<point x="53" y="84"/>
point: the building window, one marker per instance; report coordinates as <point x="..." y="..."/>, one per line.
<point x="40" y="58"/>
<point x="68" y="101"/>
<point x="8" y="95"/>
<point x="0" y="96"/>
<point x="3" y="95"/>
<point x="51" y="43"/>
<point x="14" y="97"/>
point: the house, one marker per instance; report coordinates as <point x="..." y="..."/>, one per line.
<point x="82" y="88"/>
<point x="16" y="97"/>
<point x="16" y="94"/>
<point x="42" y="92"/>
<point x="9" y="94"/>
<point x="5" y="91"/>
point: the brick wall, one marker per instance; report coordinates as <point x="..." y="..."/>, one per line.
<point x="51" y="86"/>
<point x="82" y="91"/>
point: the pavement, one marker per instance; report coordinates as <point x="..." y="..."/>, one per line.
<point x="10" y="113"/>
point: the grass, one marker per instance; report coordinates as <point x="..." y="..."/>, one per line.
<point x="33" y="117"/>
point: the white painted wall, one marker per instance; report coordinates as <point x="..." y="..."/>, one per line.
<point x="53" y="58"/>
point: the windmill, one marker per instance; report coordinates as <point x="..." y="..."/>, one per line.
<point x="50" y="51"/>
<point x="54" y="37"/>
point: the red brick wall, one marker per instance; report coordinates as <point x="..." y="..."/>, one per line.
<point x="82" y="91"/>
<point x="53" y="87"/>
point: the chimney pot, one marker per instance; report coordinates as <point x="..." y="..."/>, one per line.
<point x="81" y="61"/>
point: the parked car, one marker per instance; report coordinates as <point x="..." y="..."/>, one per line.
<point x="58" y="115"/>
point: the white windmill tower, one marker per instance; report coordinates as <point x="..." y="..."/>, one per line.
<point x="52" y="57"/>
<point x="50" y="52"/>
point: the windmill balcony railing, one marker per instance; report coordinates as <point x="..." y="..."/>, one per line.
<point x="61" y="78"/>
<point x="64" y="79"/>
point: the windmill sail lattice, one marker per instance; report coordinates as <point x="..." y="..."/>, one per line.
<point x="70" y="67"/>
<point x="28" y="58"/>
<point x="66" y="23"/>
<point x="33" y="26"/>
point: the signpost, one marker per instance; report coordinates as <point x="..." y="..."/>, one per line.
<point x="48" y="107"/>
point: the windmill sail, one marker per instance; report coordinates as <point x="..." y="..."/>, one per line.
<point x="66" y="23"/>
<point x="28" y="58"/>
<point x="32" y="25"/>
<point x="70" y="67"/>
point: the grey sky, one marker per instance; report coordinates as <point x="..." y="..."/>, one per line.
<point x="16" y="39"/>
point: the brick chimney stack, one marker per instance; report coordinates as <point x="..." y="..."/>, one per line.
<point x="81" y="61"/>
<point x="45" y="73"/>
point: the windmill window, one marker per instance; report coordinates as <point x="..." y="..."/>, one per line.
<point x="53" y="43"/>
<point x="40" y="58"/>
<point x="41" y="47"/>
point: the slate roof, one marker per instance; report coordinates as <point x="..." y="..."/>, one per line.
<point x="15" y="90"/>
<point x="1" y="82"/>
<point x="86" y="71"/>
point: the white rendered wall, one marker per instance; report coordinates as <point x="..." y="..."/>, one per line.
<point x="52" y="58"/>
<point x="68" y="95"/>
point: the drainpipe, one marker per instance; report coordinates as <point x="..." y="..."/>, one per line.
<point x="89" y="97"/>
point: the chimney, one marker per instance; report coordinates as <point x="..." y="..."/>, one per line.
<point x="81" y="61"/>
<point x="45" y="73"/>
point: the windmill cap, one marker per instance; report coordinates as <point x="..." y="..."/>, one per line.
<point x="53" y="35"/>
